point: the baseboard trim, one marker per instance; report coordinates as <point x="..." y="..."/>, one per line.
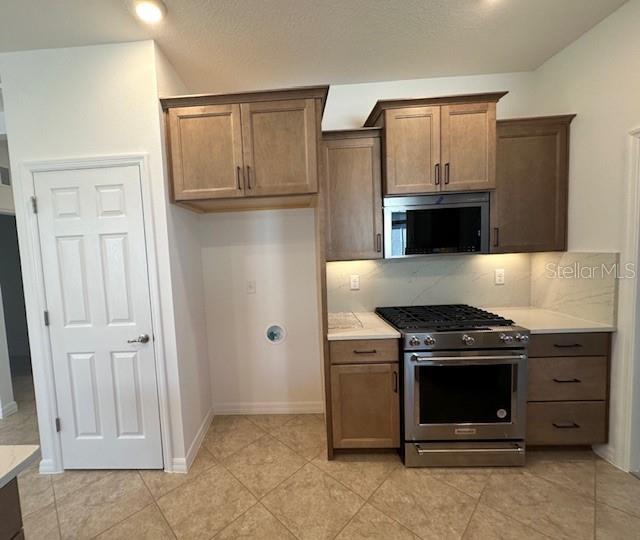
<point x="47" y="466"/>
<point x="8" y="409"/>
<point x="182" y="465"/>
<point x="270" y="407"/>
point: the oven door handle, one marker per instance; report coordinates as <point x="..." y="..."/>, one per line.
<point x="466" y="360"/>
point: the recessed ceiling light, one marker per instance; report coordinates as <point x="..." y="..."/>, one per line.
<point x="150" y="11"/>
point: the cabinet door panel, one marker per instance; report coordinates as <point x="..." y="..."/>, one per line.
<point x="468" y="146"/>
<point x="280" y="147"/>
<point x="365" y="406"/>
<point x="412" y="150"/>
<point x="206" y="152"/>
<point x="354" y="199"/>
<point x="529" y="205"/>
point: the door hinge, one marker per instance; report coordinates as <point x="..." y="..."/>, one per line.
<point x="58" y="426"/>
<point x="46" y="318"/>
<point x="34" y="204"/>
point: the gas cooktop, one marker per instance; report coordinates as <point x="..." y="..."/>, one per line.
<point x="441" y="318"/>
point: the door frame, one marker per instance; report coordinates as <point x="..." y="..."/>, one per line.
<point x="35" y="300"/>
<point x="629" y="301"/>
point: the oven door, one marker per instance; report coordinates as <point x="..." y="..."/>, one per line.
<point x="463" y="395"/>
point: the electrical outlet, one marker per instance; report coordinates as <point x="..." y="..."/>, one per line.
<point x="354" y="282"/>
<point x="499" y="276"/>
<point x="251" y="287"/>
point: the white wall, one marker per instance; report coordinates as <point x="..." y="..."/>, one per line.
<point x="188" y="293"/>
<point x="349" y="105"/>
<point x="598" y="78"/>
<point x="81" y="102"/>
<point x="276" y="249"/>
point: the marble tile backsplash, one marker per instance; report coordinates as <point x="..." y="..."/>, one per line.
<point x="576" y="283"/>
<point x="530" y="280"/>
<point x="452" y="279"/>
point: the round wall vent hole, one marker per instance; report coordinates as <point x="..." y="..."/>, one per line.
<point x="275" y="333"/>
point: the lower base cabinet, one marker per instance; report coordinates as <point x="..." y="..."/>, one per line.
<point x="568" y="389"/>
<point x="365" y="405"/>
<point x="10" y="514"/>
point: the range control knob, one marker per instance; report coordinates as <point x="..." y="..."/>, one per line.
<point x="505" y="338"/>
<point x="429" y="340"/>
<point x="523" y="338"/>
<point x="414" y="341"/>
<point x="468" y="340"/>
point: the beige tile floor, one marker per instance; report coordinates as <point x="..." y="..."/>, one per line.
<point x="267" y="477"/>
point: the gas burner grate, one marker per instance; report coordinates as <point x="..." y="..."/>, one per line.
<point x="441" y="317"/>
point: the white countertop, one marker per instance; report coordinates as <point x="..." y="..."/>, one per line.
<point x="544" y="321"/>
<point x="15" y="459"/>
<point x="367" y="325"/>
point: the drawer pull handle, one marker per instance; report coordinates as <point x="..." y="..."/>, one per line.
<point x="566" y="425"/>
<point x="395" y="382"/>
<point x="566" y="381"/>
<point x="370" y="351"/>
<point x="570" y="346"/>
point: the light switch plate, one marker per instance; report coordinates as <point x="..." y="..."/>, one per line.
<point x="354" y="282"/>
<point x="251" y="287"/>
<point x="499" y="276"/>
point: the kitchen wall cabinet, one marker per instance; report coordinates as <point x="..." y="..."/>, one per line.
<point x="365" y="402"/>
<point x="207" y="152"/>
<point x="350" y="161"/>
<point x="242" y="146"/>
<point x="530" y="203"/>
<point x="568" y="389"/>
<point x="438" y="144"/>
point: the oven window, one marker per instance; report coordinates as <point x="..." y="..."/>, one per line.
<point x="436" y="230"/>
<point x="461" y="394"/>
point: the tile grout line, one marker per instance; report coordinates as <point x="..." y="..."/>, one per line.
<point x="475" y="508"/>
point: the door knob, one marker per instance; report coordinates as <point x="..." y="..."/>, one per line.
<point x="142" y="338"/>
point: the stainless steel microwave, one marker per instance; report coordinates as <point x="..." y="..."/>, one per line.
<point x="430" y="224"/>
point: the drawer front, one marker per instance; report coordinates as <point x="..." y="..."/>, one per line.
<point x="364" y="351"/>
<point x="568" y="378"/>
<point x="566" y="423"/>
<point x="596" y="344"/>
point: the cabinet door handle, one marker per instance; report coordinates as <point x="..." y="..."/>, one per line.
<point x="566" y="381"/>
<point x="249" y="177"/>
<point x="566" y="425"/>
<point x="437" y="173"/>
<point x="446" y="173"/>
<point x="395" y="382"/>
<point x="238" y="169"/>
<point x="570" y="346"/>
<point x="378" y="242"/>
<point x="496" y="236"/>
<point x="369" y="351"/>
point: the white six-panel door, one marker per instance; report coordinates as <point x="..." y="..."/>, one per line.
<point x="92" y="240"/>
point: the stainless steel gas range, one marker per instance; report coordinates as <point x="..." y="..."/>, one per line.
<point x="464" y="386"/>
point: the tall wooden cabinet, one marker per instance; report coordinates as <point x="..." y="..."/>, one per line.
<point x="438" y="144"/>
<point x="350" y="161"/>
<point x="260" y="144"/>
<point x="529" y="205"/>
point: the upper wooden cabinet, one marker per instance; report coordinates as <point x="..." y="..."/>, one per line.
<point x="244" y="145"/>
<point x="206" y="152"/>
<point x="438" y="144"/>
<point x="412" y="150"/>
<point x="351" y="165"/>
<point x="529" y="205"/>
<point x="279" y="139"/>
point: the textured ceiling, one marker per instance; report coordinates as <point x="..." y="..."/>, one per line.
<point x="222" y="45"/>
